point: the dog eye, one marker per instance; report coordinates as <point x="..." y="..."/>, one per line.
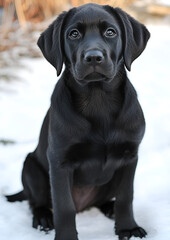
<point x="74" y="34"/>
<point x="110" y="32"/>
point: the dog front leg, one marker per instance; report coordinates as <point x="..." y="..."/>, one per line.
<point x="62" y="202"/>
<point x="126" y="227"/>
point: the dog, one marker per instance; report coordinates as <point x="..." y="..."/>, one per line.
<point x="88" y="146"/>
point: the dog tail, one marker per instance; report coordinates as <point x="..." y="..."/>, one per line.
<point x="16" y="197"/>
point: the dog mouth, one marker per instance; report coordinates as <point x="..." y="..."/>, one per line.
<point x="92" y="77"/>
<point x="92" y="74"/>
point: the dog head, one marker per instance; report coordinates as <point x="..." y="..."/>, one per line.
<point x="93" y="40"/>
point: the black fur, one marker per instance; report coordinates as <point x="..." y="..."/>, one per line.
<point x="88" y="147"/>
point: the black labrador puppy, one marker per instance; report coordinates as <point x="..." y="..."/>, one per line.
<point x="88" y="147"/>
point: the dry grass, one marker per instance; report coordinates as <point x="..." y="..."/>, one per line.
<point x="115" y="3"/>
<point x="27" y="12"/>
<point x="31" y="10"/>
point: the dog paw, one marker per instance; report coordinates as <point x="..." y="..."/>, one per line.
<point x="43" y="219"/>
<point x="127" y="234"/>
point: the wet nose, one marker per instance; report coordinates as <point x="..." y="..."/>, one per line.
<point x="93" y="57"/>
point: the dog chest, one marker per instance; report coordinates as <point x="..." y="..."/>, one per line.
<point x="95" y="163"/>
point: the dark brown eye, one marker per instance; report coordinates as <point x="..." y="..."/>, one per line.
<point x="74" y="34"/>
<point x="110" y="33"/>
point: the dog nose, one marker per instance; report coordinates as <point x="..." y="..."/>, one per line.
<point x="93" y="57"/>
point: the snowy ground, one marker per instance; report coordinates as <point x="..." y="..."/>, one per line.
<point x="23" y="104"/>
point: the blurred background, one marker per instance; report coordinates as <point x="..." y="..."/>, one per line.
<point x="26" y="84"/>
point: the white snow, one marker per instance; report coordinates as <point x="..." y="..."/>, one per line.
<point x="23" y="104"/>
<point x="165" y="2"/>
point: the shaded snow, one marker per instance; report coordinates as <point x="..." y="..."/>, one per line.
<point x="23" y="104"/>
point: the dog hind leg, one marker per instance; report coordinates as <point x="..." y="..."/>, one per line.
<point x="37" y="190"/>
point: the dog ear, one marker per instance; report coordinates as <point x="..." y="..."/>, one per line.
<point x="135" y="37"/>
<point x="50" y="43"/>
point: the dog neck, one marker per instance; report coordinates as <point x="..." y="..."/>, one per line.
<point x="97" y="101"/>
